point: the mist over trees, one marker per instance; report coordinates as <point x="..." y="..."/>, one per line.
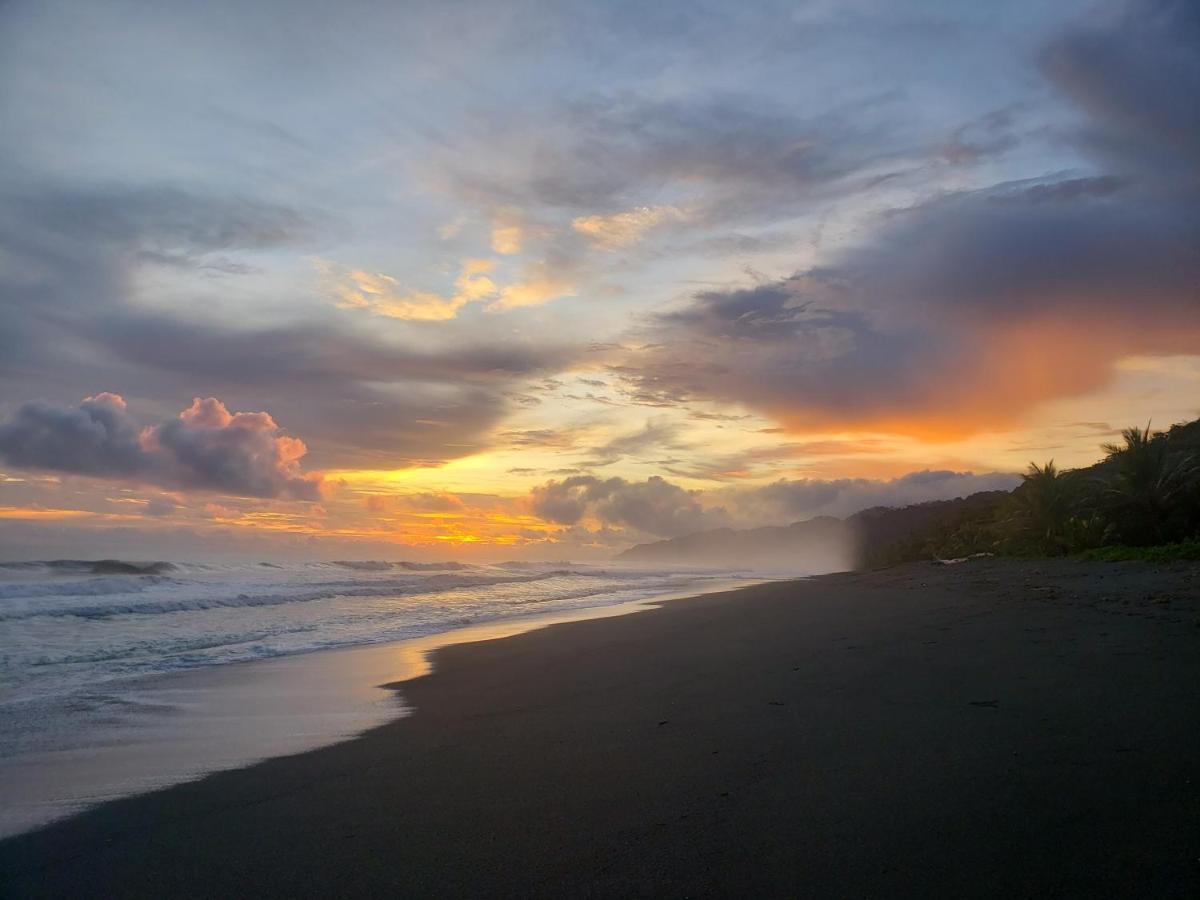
<point x="1142" y="500"/>
<point x="1144" y="493"/>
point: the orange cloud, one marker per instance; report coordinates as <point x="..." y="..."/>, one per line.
<point x="382" y="295"/>
<point x="507" y="232"/>
<point x="617" y="230"/>
<point x="539" y="284"/>
<point x="206" y="447"/>
<point x="33" y="513"/>
<point x="1012" y="368"/>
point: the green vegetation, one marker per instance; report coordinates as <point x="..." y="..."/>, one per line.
<point x="1141" y="502"/>
<point x="1185" y="550"/>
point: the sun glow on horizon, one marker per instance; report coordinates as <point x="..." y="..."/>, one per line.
<point x="638" y="290"/>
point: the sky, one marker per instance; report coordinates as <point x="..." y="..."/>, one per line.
<point x="484" y="280"/>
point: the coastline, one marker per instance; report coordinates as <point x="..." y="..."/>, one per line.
<point x="988" y="729"/>
<point x="161" y="730"/>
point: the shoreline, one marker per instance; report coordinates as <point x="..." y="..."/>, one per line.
<point x="991" y="728"/>
<point x="176" y="727"/>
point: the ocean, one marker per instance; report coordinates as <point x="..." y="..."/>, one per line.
<point x="117" y="676"/>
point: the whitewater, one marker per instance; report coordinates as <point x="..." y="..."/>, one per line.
<point x="118" y="676"/>
<point x="66" y="624"/>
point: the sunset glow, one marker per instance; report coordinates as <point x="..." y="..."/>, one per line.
<point x="395" y="308"/>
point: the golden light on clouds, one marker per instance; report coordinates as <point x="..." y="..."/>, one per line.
<point x="381" y="295"/>
<point x="716" y="280"/>
<point x="507" y="232"/>
<point x="540" y="283"/>
<point x="34" y="513"/>
<point x="996" y="381"/>
<point x="617" y="230"/>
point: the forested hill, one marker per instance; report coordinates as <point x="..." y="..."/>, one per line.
<point x="1145" y="492"/>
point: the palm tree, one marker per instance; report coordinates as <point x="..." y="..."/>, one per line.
<point x="1148" y="483"/>
<point x="1043" y="506"/>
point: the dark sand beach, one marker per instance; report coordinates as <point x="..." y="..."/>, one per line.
<point x="992" y="728"/>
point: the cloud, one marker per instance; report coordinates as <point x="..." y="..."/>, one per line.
<point x="553" y="438"/>
<point x="312" y="355"/>
<point x="733" y="155"/>
<point x="654" y="506"/>
<point x="988" y="136"/>
<point x="160" y="507"/>
<point x="358" y="400"/>
<point x="540" y="283"/>
<point x="792" y="500"/>
<point x="426" y="502"/>
<point x="957" y="316"/>
<point x="70" y="255"/>
<point x="507" y="232"/>
<point x="382" y="295"/>
<point x="656" y="433"/>
<point x="663" y="509"/>
<point x="617" y="230"/>
<point x="96" y="438"/>
<point x="755" y="461"/>
<point x="1134" y="71"/>
<point x="161" y="218"/>
<point x="963" y="312"/>
<point x="206" y="448"/>
<point x="76" y="310"/>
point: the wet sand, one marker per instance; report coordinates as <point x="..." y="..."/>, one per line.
<point x="137" y="735"/>
<point x="988" y="729"/>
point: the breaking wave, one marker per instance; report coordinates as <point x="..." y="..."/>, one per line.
<point x="89" y="567"/>
<point x="69" y="624"/>
<point x="171" y="604"/>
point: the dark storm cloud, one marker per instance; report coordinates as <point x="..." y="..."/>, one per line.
<point x="1089" y="243"/>
<point x="945" y="309"/>
<point x="97" y="437"/>
<point x="205" y="448"/>
<point x="1135" y="74"/>
<point x="773" y="351"/>
<point x="969" y="308"/>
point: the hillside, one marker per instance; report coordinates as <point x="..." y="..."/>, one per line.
<point x="875" y="536"/>
<point x="1143" y="493"/>
<point x="824" y="544"/>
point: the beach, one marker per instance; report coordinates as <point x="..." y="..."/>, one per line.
<point x="993" y="728"/>
<point x="115" y="683"/>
